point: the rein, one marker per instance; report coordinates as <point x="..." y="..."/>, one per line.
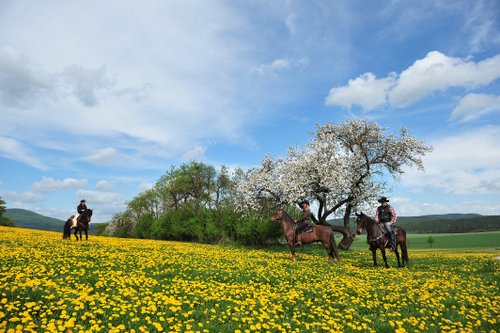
<point x="372" y="229"/>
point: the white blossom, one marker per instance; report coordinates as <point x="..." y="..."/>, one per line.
<point x="341" y="165"/>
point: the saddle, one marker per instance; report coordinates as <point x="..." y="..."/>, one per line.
<point x="309" y="228"/>
<point x="383" y="232"/>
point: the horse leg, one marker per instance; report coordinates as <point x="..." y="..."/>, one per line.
<point x="75" y="232"/>
<point x="404" y="253"/>
<point x="374" y="256"/>
<point x="291" y="244"/>
<point x="86" y="235"/>
<point x="333" y="248"/>
<point x="382" y="248"/>
<point x="397" y="255"/>
<point x="329" y="250"/>
<point x="292" y="250"/>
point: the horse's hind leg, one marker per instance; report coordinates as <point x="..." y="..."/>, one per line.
<point x="333" y="251"/>
<point x="86" y="235"/>
<point x="397" y="255"/>
<point x="404" y="254"/>
<point x="329" y="251"/>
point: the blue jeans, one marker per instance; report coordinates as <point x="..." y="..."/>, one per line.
<point x="392" y="238"/>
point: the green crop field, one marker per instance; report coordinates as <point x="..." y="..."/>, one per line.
<point x="490" y="239"/>
<point x="129" y="285"/>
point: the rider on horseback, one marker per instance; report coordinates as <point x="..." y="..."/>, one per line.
<point x="305" y="220"/>
<point x="387" y="215"/>
<point x="80" y="209"/>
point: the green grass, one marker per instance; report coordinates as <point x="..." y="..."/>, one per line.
<point x="490" y="239"/>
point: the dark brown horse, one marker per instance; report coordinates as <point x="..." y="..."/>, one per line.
<point x="319" y="233"/>
<point x="82" y="225"/>
<point x="377" y="238"/>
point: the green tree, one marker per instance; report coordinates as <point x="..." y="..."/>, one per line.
<point x="430" y="241"/>
<point x="5" y="221"/>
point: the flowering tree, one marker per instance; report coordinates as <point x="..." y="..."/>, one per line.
<point x="340" y="170"/>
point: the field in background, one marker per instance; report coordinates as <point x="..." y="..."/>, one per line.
<point x="488" y="239"/>
<point x="126" y="285"/>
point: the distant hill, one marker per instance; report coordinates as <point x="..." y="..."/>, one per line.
<point x="27" y="219"/>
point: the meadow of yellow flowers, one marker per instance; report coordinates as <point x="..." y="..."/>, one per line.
<point x="124" y="285"/>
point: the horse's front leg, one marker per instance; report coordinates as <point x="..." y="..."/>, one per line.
<point x="292" y="250"/>
<point x="76" y="233"/>
<point x="87" y="235"/>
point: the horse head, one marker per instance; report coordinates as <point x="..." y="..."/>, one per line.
<point x="360" y="221"/>
<point x="278" y="216"/>
<point x="86" y="216"/>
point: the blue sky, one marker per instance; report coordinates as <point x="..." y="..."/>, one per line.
<point x="98" y="99"/>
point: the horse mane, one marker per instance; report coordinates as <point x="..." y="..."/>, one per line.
<point x="287" y="216"/>
<point x="372" y="220"/>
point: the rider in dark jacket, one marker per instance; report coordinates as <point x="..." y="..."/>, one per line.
<point x="80" y="209"/>
<point x="387" y="215"/>
<point x="304" y="221"/>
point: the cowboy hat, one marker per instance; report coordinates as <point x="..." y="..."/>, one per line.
<point x="382" y="200"/>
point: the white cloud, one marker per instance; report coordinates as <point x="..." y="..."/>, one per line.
<point x="474" y="106"/>
<point x="13" y="149"/>
<point x="97" y="197"/>
<point x="465" y="163"/>
<point x="434" y="73"/>
<point x="104" y="185"/>
<point x="85" y="84"/>
<point x="366" y="91"/>
<point x="482" y="21"/>
<point x="271" y="68"/>
<point x="105" y="155"/>
<point x="173" y="91"/>
<point x="49" y="184"/>
<point x="21" y="82"/>
<point x="195" y="153"/>
<point x="278" y="65"/>
<point x="15" y="199"/>
<point x="438" y="72"/>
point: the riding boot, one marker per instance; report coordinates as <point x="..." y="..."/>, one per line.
<point x="390" y="241"/>
<point x="393" y="238"/>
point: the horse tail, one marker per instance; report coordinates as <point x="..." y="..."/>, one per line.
<point x="404" y="247"/>
<point x="67" y="229"/>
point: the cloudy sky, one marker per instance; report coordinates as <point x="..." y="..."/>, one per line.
<point x="99" y="98"/>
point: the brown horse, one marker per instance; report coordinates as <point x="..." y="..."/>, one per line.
<point x="319" y="233"/>
<point x="377" y="238"/>
<point x="82" y="225"/>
